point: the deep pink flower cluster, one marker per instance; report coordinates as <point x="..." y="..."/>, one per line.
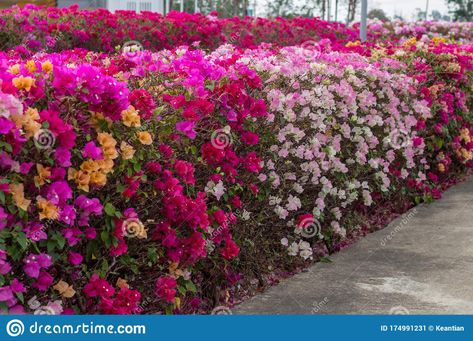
<point x="66" y="28"/>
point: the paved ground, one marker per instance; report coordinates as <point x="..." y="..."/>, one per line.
<point x="422" y="263"/>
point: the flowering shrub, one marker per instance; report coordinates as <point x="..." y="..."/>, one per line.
<point x="145" y="182"/>
<point x="337" y="117"/>
<point x="88" y="177"/>
<point x="55" y="29"/>
<point x="424" y="30"/>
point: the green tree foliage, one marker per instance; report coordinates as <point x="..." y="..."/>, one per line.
<point x="462" y="10"/>
<point x="377" y="13"/>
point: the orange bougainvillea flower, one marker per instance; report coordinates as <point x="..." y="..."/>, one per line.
<point x="23" y="83"/>
<point x="108" y="144"/>
<point x="127" y="151"/>
<point x="47" y="66"/>
<point x="80" y="178"/>
<point x="66" y="290"/>
<point x="17" y="191"/>
<point x="130" y="117"/>
<point x="145" y="138"/>
<point x="14" y="69"/>
<point x="44" y="173"/>
<point x="122" y="283"/>
<point x="30" y="65"/>
<point x="47" y="209"/>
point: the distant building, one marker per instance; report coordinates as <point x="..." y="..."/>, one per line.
<point x="9" y="3"/>
<point x="113" y="5"/>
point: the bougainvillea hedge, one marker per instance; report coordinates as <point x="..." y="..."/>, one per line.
<point x="170" y="181"/>
<point x="57" y="29"/>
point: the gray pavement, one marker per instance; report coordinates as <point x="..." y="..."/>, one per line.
<point x="422" y="263"/>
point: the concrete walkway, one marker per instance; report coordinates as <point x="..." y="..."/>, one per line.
<point x="422" y="263"/>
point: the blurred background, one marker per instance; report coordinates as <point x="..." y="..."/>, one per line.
<point x="333" y="10"/>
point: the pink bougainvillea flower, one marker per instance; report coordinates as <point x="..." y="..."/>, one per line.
<point x="97" y="287"/>
<point x="75" y="258"/>
<point x="34" y="263"/>
<point x="230" y="250"/>
<point x="250" y="138"/>
<point x="92" y="151"/>
<point x="44" y="281"/>
<point x="187" y="128"/>
<point x="166" y="288"/>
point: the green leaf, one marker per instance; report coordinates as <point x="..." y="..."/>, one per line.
<point x="181" y="290"/>
<point x="22" y="240"/>
<point x="105" y="238"/>
<point x="191" y="287"/>
<point x="325" y="259"/>
<point x="61" y="241"/>
<point x="153" y="255"/>
<point x="20" y="297"/>
<point x="109" y="209"/>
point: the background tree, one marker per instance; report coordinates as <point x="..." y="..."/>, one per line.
<point x="462" y="10"/>
<point x="290" y="8"/>
<point x="419" y="15"/>
<point x="352" y="6"/>
<point x="377" y="13"/>
<point x="436" y="15"/>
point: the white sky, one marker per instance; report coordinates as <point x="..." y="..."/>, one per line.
<point x="407" y="8"/>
